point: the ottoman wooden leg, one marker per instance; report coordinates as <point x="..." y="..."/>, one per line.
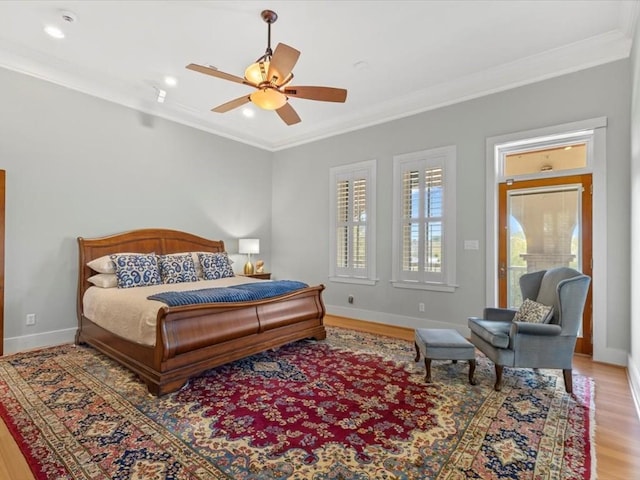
<point x="472" y="369"/>
<point x="427" y="364"/>
<point x="415" y="344"/>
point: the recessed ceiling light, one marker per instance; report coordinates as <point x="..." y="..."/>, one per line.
<point x="54" y="31"/>
<point x="248" y="112"/>
<point x="170" y="81"/>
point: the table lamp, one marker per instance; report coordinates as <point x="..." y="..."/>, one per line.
<point x="248" y="246"/>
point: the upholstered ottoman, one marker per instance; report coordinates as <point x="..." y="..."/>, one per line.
<point x="444" y="344"/>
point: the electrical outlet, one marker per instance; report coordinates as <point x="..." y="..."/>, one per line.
<point x="350" y="299"/>
<point x="31" y="318"/>
<point x="421" y="307"/>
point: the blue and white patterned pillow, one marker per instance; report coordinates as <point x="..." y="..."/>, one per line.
<point x="177" y="268"/>
<point x="136" y="269"/>
<point x="215" y="265"/>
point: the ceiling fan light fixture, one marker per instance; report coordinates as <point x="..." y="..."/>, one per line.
<point x="253" y="73"/>
<point x="256" y="73"/>
<point x="268" y="98"/>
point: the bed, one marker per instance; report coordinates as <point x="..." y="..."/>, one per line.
<point x="185" y="340"/>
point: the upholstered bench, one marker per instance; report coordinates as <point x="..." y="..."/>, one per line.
<point x="444" y="344"/>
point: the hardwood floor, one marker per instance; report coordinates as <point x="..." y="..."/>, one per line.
<point x="617" y="424"/>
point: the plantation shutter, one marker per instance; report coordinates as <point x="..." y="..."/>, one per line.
<point x="351" y="224"/>
<point x="422" y="221"/>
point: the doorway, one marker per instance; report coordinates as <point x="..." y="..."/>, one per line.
<point x="545" y="223"/>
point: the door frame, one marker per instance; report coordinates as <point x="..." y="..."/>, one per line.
<point x="601" y="352"/>
<point x="584" y="343"/>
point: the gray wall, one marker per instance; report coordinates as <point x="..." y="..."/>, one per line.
<point x="80" y="166"/>
<point x="634" y="357"/>
<point x="300" y="195"/>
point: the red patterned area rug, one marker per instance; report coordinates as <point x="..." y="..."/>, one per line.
<point x="352" y="407"/>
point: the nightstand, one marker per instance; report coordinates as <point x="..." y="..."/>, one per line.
<point x="261" y="276"/>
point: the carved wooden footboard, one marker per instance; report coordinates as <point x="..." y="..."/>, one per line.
<point x="191" y="339"/>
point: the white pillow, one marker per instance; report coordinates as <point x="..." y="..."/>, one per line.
<point x="104" y="280"/>
<point x="102" y="265"/>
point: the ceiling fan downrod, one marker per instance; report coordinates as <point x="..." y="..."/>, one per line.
<point x="269" y="16"/>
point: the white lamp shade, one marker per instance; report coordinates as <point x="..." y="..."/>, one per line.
<point x="249" y="245"/>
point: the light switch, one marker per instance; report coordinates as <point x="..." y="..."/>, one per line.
<point x="471" y="245"/>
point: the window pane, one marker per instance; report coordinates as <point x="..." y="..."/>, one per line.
<point x="410" y="194"/>
<point x="360" y="200"/>
<point x="342" y="250"/>
<point x="433" y="192"/>
<point x="433" y="247"/>
<point x="342" y="201"/>
<point x="410" y="245"/>
<point x="565" y="157"/>
<point x="359" y="246"/>
<point x="542" y="233"/>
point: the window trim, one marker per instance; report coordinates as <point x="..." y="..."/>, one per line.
<point x="334" y="174"/>
<point x="446" y="156"/>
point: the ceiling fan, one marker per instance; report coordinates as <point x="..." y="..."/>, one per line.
<point x="271" y="75"/>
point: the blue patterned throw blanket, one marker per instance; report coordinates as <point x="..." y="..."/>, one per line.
<point x="240" y="293"/>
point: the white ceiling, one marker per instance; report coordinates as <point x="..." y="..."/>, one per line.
<point x="418" y="55"/>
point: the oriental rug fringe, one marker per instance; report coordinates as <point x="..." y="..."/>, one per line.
<point x="354" y="406"/>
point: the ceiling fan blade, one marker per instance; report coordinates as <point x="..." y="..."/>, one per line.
<point x="225" y="107"/>
<point x="288" y="114"/>
<point x="217" y="73"/>
<point x="323" y="94"/>
<point x="282" y="61"/>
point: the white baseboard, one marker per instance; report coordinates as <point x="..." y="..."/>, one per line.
<point x="39" y="340"/>
<point x="611" y="355"/>
<point x="395" y="320"/>
<point x="634" y="383"/>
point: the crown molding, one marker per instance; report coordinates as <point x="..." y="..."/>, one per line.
<point x="578" y="56"/>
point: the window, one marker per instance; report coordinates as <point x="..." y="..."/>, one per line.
<point x="424" y="237"/>
<point x="352" y="217"/>
<point x="545" y="156"/>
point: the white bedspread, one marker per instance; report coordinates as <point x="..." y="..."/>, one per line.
<point x="127" y="312"/>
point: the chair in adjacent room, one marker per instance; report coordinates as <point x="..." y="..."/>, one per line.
<point x="543" y="332"/>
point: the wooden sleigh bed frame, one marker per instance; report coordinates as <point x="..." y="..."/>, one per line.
<point x="191" y="339"/>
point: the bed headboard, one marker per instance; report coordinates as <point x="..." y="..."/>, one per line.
<point x="158" y="240"/>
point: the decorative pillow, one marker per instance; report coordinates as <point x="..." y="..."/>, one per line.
<point x="102" y="265"/>
<point x="104" y="280"/>
<point x="533" y="312"/>
<point x="177" y="268"/>
<point x="136" y="269"/>
<point x="215" y="265"/>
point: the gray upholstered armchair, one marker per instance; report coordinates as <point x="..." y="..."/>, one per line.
<point x="517" y="344"/>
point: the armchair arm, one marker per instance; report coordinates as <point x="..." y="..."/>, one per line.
<point x="528" y="328"/>
<point x="499" y="314"/>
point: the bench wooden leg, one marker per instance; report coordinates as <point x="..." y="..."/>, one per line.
<point x="472" y="370"/>
<point x="427" y="364"/>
